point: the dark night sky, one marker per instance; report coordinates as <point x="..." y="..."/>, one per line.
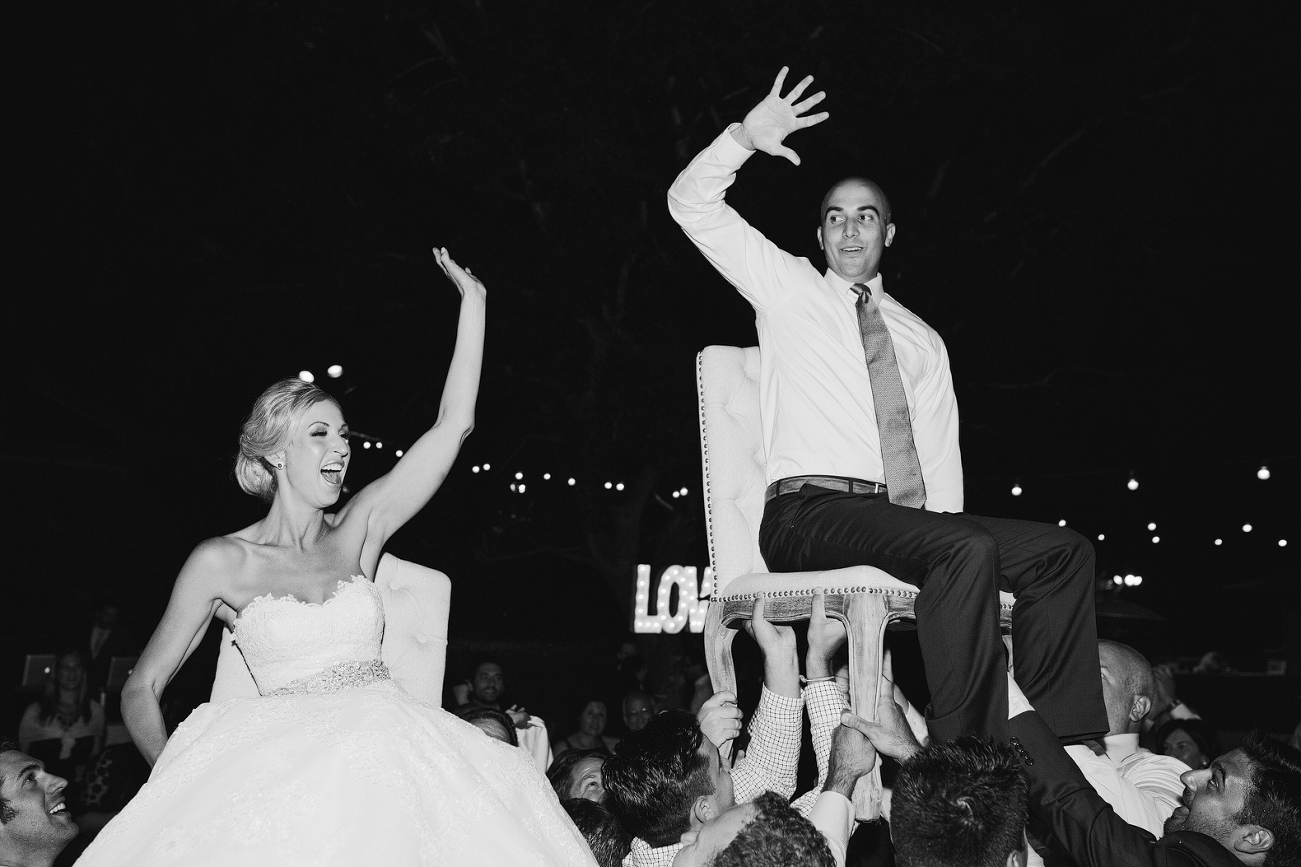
<point x="1095" y="208"/>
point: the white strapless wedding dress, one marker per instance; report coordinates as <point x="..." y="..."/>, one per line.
<point x="334" y="765"/>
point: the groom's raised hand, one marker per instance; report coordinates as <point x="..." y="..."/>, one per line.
<point x="777" y="116"/>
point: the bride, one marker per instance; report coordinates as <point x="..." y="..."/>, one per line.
<point x="333" y="764"/>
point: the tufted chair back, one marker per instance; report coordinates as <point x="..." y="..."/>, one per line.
<point x="731" y="447"/>
<point x="416" y="600"/>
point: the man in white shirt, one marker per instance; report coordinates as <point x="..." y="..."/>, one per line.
<point x="1128" y="689"/>
<point x="828" y="502"/>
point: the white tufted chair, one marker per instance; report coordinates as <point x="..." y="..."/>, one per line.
<point x="865" y="598"/>
<point x="416" y="601"/>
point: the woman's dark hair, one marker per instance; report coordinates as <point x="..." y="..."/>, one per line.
<point x="50" y="698"/>
<point x="1206" y="738"/>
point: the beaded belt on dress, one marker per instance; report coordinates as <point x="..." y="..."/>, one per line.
<point x="344" y="675"/>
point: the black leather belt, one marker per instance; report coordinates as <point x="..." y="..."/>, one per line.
<point x="836" y="483"/>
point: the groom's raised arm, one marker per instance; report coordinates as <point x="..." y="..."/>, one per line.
<point x="749" y="261"/>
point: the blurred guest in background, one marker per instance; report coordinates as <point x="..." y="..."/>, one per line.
<point x="105" y="639"/>
<point x="591" y="732"/>
<point x="65" y="729"/>
<point x="1191" y="741"/>
<point x="638" y="708"/>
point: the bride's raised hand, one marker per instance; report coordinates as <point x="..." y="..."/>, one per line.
<point x="466" y="283"/>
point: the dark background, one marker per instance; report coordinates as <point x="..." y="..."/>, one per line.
<point x="1095" y="206"/>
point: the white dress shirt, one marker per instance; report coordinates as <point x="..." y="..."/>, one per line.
<point x="815" y="396"/>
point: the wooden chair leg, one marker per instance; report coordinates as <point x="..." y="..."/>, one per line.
<point x="865" y="614"/>
<point x="718" y="657"/>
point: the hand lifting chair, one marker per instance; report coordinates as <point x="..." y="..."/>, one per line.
<point x="416" y="602"/>
<point x="866" y="599"/>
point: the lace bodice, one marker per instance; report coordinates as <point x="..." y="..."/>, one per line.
<point x="284" y="640"/>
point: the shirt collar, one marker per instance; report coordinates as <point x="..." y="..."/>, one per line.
<point x="1121" y="747"/>
<point x="840" y="284"/>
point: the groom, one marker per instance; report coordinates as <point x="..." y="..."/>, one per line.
<point x="860" y="428"/>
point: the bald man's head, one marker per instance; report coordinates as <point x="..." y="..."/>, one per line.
<point x="886" y="217"/>
<point x="1127" y="686"/>
<point x="855" y="228"/>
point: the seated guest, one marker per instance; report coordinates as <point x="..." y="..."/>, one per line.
<point x="638" y="708"/>
<point x="604" y="835"/>
<point x="1127" y="690"/>
<point x="591" y="732"/>
<point x="670" y="778"/>
<point x="960" y="804"/>
<point x="1191" y="741"/>
<point x="35" y="824"/>
<point x="577" y="774"/>
<point x="492" y="722"/>
<point x="65" y="729"/>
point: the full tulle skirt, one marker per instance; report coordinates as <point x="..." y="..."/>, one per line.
<point x="366" y="775"/>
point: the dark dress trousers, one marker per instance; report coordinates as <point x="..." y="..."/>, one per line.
<point x="961" y="561"/>
<point x="1084" y="825"/>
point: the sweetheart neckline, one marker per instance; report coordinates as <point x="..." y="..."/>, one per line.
<point x="289" y="597"/>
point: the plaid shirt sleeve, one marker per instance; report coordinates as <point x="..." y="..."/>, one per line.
<point x="774" y="752"/>
<point x="825" y="702"/>
<point x="644" y="854"/>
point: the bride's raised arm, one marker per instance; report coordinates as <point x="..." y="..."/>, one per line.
<point x="394" y="498"/>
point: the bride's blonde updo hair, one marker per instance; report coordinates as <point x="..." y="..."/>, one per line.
<point x="268" y="429"/>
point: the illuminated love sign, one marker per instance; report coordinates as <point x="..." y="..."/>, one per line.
<point x="693" y="600"/>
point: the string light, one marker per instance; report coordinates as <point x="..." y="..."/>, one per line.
<point x="683" y="491"/>
<point x="1132" y="484"/>
<point x="1262" y="473"/>
<point x="365" y="444"/>
<point x="521" y="488"/>
<point x="398" y="452"/>
<point x="1246" y="528"/>
<point x="306" y="376"/>
<point x="619" y="487"/>
<point x="1219" y="542"/>
<point x="1156" y="539"/>
<point x="378" y="444"/>
<point x="486" y="466"/>
<point x="1282" y="543"/>
<point x="334" y="371"/>
<point x="546" y="477"/>
<point x="1102" y="536"/>
<point x="572" y="482"/>
<point x="1151" y="526"/>
<point x="608" y="486"/>
<point x="474" y="469"/>
<point x="1016" y="489"/>
<point x="1062" y="522"/>
<point x="519" y="476"/>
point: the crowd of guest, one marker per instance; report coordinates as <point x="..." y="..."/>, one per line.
<point x="671" y="782"/>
